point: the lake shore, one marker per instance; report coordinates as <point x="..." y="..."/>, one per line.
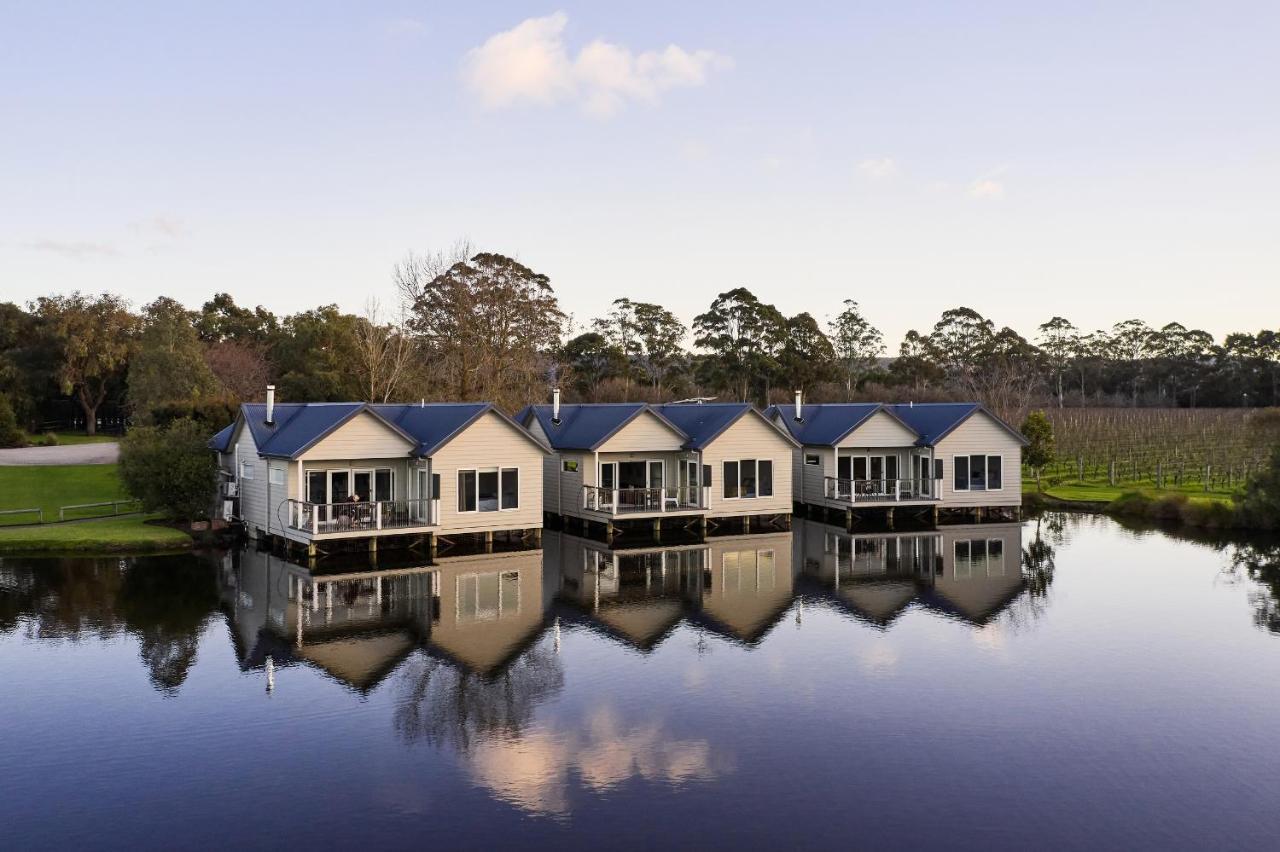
<point x="131" y="534"/>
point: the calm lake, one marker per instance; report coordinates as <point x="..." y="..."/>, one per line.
<point x="1062" y="682"/>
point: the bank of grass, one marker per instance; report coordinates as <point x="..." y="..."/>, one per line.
<point x="132" y="534"/>
<point x="49" y="487"/>
<point x="71" y="438"/>
<point x="1189" y="506"/>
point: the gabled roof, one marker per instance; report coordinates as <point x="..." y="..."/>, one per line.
<point x="300" y="426"/>
<point x="935" y="420"/>
<point x="586" y="426"/>
<point x="825" y="424"/>
<point x="222" y="441"/>
<point x="435" y="424"/>
<point x="704" y="422"/>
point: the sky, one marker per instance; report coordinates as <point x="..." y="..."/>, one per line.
<point x="1098" y="161"/>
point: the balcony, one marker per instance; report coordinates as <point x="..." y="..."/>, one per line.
<point x="642" y="501"/>
<point x="863" y="491"/>
<point x="360" y="518"/>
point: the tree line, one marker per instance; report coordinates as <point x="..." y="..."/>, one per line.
<point x="476" y="325"/>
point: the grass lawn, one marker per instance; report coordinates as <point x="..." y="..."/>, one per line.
<point x="1101" y="492"/>
<point x="51" y="486"/>
<point x="68" y="438"/>
<point x="131" y="534"/>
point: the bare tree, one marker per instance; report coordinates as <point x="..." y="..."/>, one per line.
<point x="385" y="351"/>
<point x="241" y="368"/>
<point x="414" y="274"/>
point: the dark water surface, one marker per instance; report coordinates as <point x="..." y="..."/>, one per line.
<point x="1063" y="682"/>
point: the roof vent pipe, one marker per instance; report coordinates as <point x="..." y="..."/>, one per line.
<point x="555" y="406"/>
<point x="799" y="405"/>
<point x="271" y="405"/>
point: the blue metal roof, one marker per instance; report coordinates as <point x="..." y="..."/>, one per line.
<point x="703" y="422"/>
<point x="933" y="420"/>
<point x="585" y="426"/>
<point x="433" y="424"/>
<point x="299" y="426"/>
<point x="222" y="441"/>
<point x="824" y="424"/>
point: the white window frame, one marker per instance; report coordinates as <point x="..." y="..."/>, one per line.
<point x="773" y="469"/>
<point x="246" y="470"/>
<point x="477" y="471"/>
<point x="816" y="457"/>
<point x="277" y="476"/>
<point x="968" y="474"/>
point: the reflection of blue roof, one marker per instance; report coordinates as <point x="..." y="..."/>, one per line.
<point x="222" y="441"/>
<point x="587" y="426"/>
<point x="299" y="426"/>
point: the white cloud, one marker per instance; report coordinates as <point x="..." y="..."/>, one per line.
<point x="531" y="65"/>
<point x="72" y="249"/>
<point x="164" y="226"/>
<point x="987" y="188"/>
<point x="881" y="169"/>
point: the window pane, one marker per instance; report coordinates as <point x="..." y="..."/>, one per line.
<point x="730" y="479"/>
<point x="995" y="557"/>
<point x="317" y="487"/>
<point x="466" y="491"/>
<point x="766" y="478"/>
<point x="962" y="473"/>
<point x="859" y="467"/>
<point x="994" y="473"/>
<point x="435" y="486"/>
<point x="891" y="467"/>
<point x="510" y="488"/>
<point x="877" y="467"/>
<point x="510" y="591"/>
<point x="382" y="484"/>
<point x="488" y="491"/>
<point x="655" y="474"/>
<point x="811" y="459"/>
<point x="706" y="475"/>
<point x="937" y="469"/>
<point x="363" y="484"/>
<point x="977" y="473"/>
<point x="748" y="474"/>
<point x="606" y="476"/>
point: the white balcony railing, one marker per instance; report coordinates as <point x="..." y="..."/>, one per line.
<point x="623" y="501"/>
<point x="880" y="490"/>
<point x="370" y="515"/>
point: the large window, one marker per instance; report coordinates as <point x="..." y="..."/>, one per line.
<point x="979" y="557"/>
<point x="510" y="488"/>
<point x="488" y="490"/>
<point x="747" y="478"/>
<point x="978" y="473"/>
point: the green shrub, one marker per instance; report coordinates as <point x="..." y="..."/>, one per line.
<point x="171" y="469"/>
<point x="1261" y="502"/>
<point x="213" y="414"/>
<point x="10" y="434"/>
<point x="48" y="439"/>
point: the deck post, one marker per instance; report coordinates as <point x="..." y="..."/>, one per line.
<point x="746" y="523"/>
<point x="311" y="550"/>
<point x="488" y="541"/>
<point x="848" y="518"/>
<point x="608" y="532"/>
<point x="315" y="520"/>
<point x="431" y="547"/>
<point x="377" y="514"/>
<point x="657" y="527"/>
<point x="702" y="525"/>
<point x="889" y="517"/>
<point x="373" y="545"/>
<point x="935" y="516"/>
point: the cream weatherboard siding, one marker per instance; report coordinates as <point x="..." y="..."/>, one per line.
<point x="490" y="442"/>
<point x="561" y="489"/>
<point x="646" y="433"/>
<point x="362" y="437"/>
<point x="750" y="437"/>
<point x="981" y="435"/>
<point x="880" y="430"/>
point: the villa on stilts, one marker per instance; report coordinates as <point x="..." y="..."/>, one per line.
<point x="325" y="476"/>
<point x="934" y="460"/>
<point x="685" y="465"/>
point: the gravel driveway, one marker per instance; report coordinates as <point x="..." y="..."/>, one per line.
<point x="71" y="454"/>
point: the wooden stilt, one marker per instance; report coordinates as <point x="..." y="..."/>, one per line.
<point x="488" y="541"/>
<point x="888" y="517"/>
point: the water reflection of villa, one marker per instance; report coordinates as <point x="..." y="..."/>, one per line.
<point x="970" y="572"/>
<point x="735" y="586"/>
<point x="477" y="613"/>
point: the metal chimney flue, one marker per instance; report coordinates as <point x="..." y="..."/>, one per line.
<point x="799" y="405"/>
<point x="555" y="405"/>
<point x="271" y="405"/>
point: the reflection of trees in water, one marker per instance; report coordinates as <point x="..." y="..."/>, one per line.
<point x="163" y="601"/>
<point x="1260" y="562"/>
<point x="1037" y="563"/>
<point x="447" y="705"/>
